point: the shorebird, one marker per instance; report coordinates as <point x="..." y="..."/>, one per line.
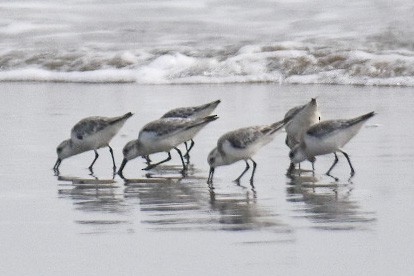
<point x="163" y="135"/>
<point x="241" y="144"/>
<point x="328" y="137"/>
<point x="193" y="112"/>
<point x="302" y="117"/>
<point x="88" y="134"/>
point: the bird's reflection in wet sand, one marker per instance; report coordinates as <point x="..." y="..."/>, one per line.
<point x="239" y="210"/>
<point x="101" y="202"/>
<point x="327" y="204"/>
<point x="173" y="202"/>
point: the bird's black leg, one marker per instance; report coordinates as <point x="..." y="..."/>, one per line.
<point x="147" y="159"/>
<point x="210" y="176"/>
<point x="94" y="160"/>
<point x="349" y="162"/>
<point x="186" y="148"/>
<point x="237" y="180"/>
<point x="149" y="167"/>
<point x="122" y="168"/>
<point x="191" y="146"/>
<point x="254" y="170"/>
<point x="113" y="158"/>
<point x="186" y="155"/>
<point x="182" y="159"/>
<point x="333" y="165"/>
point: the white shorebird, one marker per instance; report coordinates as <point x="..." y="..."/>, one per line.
<point x="193" y="112"/>
<point x="328" y="137"/>
<point x="302" y="117"/>
<point x="241" y="144"/>
<point x="88" y="134"/>
<point x="163" y="135"/>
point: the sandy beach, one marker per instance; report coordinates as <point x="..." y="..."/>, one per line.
<point x="54" y="225"/>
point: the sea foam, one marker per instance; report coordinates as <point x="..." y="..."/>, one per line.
<point x="287" y="62"/>
<point x="208" y="41"/>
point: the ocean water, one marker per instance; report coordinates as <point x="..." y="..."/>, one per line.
<point x="170" y="225"/>
<point x="207" y="41"/>
<point x="90" y="57"/>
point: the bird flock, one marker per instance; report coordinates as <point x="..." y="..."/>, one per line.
<point x="307" y="136"/>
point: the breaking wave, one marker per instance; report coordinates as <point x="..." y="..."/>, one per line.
<point x="287" y="62"/>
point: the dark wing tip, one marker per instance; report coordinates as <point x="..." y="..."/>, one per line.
<point x="368" y="115"/>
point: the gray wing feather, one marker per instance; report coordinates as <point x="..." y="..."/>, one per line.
<point x="294" y="111"/>
<point x="240" y="138"/>
<point x="88" y="127"/>
<point x="327" y="127"/>
<point x="166" y="126"/>
<point x="183" y="112"/>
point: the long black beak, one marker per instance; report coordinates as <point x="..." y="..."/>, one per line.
<point x="210" y="176"/>
<point x="57" y="164"/>
<point x="122" y="168"/>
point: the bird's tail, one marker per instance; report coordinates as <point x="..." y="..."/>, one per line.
<point x="121" y="118"/>
<point x="361" y="118"/>
<point x="203" y="121"/>
<point x="278" y="125"/>
<point x="274" y="127"/>
<point x="211" y="105"/>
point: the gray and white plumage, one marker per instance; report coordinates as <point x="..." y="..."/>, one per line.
<point x="193" y="112"/>
<point x="328" y="137"/>
<point x="162" y="135"/>
<point x="90" y="133"/>
<point x="301" y="118"/>
<point x="241" y="144"/>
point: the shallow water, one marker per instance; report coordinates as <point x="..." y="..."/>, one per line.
<point x="175" y="225"/>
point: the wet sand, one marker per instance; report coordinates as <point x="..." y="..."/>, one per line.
<point x="78" y="224"/>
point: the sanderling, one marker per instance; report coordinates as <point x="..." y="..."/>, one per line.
<point x="241" y="144"/>
<point x="91" y="133"/>
<point x="163" y="135"/>
<point x="194" y="112"/>
<point x="302" y="117"/>
<point x="328" y="137"/>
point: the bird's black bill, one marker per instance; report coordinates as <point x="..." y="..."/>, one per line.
<point x="210" y="176"/>
<point x="57" y="164"/>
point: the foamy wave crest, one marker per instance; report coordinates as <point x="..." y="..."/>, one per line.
<point x="288" y="62"/>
